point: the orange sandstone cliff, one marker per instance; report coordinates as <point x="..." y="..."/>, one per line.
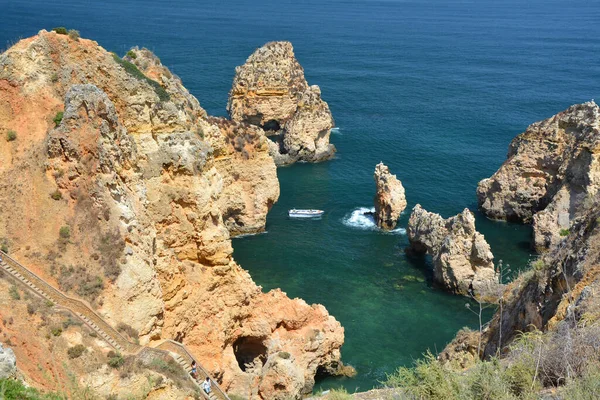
<point x="128" y="200"/>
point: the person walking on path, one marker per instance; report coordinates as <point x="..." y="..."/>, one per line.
<point x="194" y="372"/>
<point x="206" y="385"/>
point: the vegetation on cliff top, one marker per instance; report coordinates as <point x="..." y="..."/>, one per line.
<point x="132" y="70"/>
<point x="564" y="361"/>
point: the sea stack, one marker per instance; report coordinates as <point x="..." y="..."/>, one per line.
<point x="551" y="170"/>
<point x="462" y="259"/>
<point x="390" y="200"/>
<point x="270" y="91"/>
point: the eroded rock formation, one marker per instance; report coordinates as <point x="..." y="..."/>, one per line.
<point x="128" y="201"/>
<point x="389" y="198"/>
<point x="270" y="91"/>
<point x="551" y="170"/>
<point x="562" y="286"/>
<point x="462" y="259"/>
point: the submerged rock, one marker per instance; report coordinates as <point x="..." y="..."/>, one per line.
<point x="551" y="170"/>
<point x="462" y="259"/>
<point x="389" y="199"/>
<point x="270" y="91"/>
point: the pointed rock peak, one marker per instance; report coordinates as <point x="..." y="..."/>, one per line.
<point x="390" y="198"/>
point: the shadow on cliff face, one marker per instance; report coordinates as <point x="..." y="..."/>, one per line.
<point x="247" y="349"/>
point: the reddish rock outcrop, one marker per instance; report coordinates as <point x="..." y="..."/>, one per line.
<point x="462" y="259"/>
<point x="135" y="191"/>
<point x="390" y="200"/>
<point x="270" y="91"/>
<point x="551" y="170"/>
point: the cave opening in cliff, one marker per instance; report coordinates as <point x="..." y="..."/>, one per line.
<point x="272" y="126"/>
<point x="247" y="349"/>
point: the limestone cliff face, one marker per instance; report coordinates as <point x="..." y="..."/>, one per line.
<point x="250" y="185"/>
<point x="462" y="259"/>
<point x="551" y="170"/>
<point x="563" y="283"/>
<point x="390" y="200"/>
<point x="270" y="91"/>
<point x="128" y="201"/>
<point x="8" y="362"/>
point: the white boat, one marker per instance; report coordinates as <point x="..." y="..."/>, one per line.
<point x="294" y="213"/>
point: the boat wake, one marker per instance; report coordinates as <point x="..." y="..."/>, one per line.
<point x="362" y="218"/>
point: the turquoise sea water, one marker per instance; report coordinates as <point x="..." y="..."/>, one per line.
<point x="435" y="89"/>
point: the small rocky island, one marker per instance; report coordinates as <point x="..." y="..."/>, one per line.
<point x="270" y="91"/>
<point x="462" y="259"/>
<point x="390" y="200"/>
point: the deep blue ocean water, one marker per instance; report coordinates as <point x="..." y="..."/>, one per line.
<point x="435" y="89"/>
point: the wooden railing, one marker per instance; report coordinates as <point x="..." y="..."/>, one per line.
<point x="84" y="312"/>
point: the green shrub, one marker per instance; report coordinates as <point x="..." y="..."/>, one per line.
<point x="538" y="264"/>
<point x="486" y="381"/>
<point x="429" y="379"/>
<point x="131" y="54"/>
<point x="73" y="34"/>
<point x="519" y="376"/>
<point x="339" y="394"/>
<point x="565" y="232"/>
<point x="128" y="330"/>
<point x="56" y="331"/>
<point x="11" y="135"/>
<point x="585" y="388"/>
<point x="115" y="360"/>
<point x="132" y="70"/>
<point x="15" y="389"/>
<point x="54" y="77"/>
<point x="14" y="293"/>
<point x="65" y="232"/>
<point x="79" y="279"/>
<point x="61" y="30"/>
<point x="58" y="118"/>
<point x="285" y="355"/>
<point x="75" y="351"/>
<point x="56" y="195"/>
<point x="31" y="308"/>
<point x="70" y="322"/>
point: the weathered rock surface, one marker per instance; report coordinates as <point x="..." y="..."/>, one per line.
<point x="8" y="362"/>
<point x="150" y="190"/>
<point x="462" y="259"/>
<point x="551" y="170"/>
<point x="250" y="185"/>
<point x="562" y="286"/>
<point x="390" y="200"/>
<point x="270" y="91"/>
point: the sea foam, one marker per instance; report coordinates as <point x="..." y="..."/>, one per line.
<point x="362" y="218"/>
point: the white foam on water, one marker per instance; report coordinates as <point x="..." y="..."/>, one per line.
<point x="360" y="219"/>
<point x="336" y="130"/>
